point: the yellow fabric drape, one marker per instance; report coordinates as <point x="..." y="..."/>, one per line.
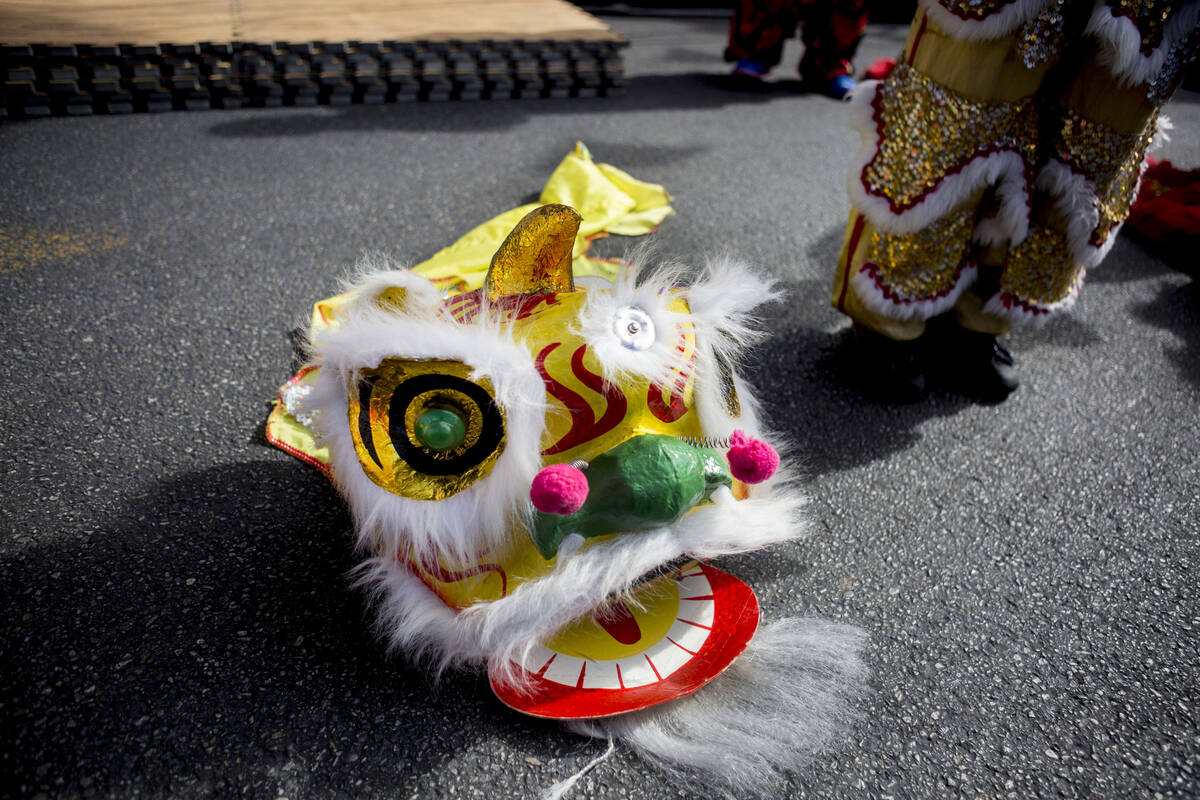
<point x="609" y="199"/>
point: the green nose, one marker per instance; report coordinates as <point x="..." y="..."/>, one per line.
<point x="643" y="483"/>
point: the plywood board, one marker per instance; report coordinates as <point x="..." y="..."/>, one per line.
<point x="146" y="22"/>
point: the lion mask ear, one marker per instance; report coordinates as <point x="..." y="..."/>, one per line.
<point x="398" y="292"/>
<point x="393" y="299"/>
<point x="536" y="256"/>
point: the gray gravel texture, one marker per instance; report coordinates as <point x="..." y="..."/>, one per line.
<point x="177" y="621"/>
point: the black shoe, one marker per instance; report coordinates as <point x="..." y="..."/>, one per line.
<point x="888" y="369"/>
<point x="981" y="367"/>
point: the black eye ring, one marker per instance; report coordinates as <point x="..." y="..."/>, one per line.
<point x="433" y="462"/>
<point x="385" y="407"/>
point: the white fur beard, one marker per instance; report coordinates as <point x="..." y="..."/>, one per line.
<point x="502" y="633"/>
<point x="783" y="700"/>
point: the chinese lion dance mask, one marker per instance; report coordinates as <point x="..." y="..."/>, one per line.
<point x="540" y="472"/>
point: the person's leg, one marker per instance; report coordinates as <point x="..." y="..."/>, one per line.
<point x="973" y="360"/>
<point x="831" y="32"/>
<point x="888" y="358"/>
<point x="951" y="129"/>
<point x="1095" y="132"/>
<point x="757" y="34"/>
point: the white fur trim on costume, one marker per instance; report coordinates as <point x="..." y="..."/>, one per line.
<point x="901" y="308"/>
<point x="993" y="26"/>
<point x="476" y="519"/>
<point x="991" y="231"/>
<point x="1010" y="225"/>
<point x="788" y="696"/>
<point x="1162" y="133"/>
<point x="723" y="300"/>
<point x="1075" y="198"/>
<point x="1005" y="169"/>
<point x="1022" y="312"/>
<point x="1121" y="42"/>
<point x="504" y="632"/>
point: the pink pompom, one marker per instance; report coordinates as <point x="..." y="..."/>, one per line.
<point x="751" y="460"/>
<point x="559" y="489"/>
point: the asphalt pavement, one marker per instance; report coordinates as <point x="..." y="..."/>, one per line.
<point x="176" y="617"/>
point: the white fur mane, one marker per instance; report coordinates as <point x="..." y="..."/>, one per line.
<point x="476" y="519"/>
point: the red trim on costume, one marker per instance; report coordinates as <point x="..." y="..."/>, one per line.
<point x="873" y="270"/>
<point x="300" y="454"/>
<point x="1010" y="302"/>
<point x="325" y="468"/>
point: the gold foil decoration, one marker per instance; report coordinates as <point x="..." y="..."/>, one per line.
<point x="925" y="264"/>
<point x="1040" y="270"/>
<point x="1109" y="159"/>
<point x="393" y="298"/>
<point x="928" y="132"/>
<point x="536" y="256"/>
<point x="388" y="449"/>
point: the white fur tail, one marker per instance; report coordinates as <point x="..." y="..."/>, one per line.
<point x="778" y="704"/>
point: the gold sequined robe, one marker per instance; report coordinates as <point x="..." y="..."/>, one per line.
<point x="1001" y="155"/>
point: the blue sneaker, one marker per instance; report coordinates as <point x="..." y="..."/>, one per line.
<point x="750" y="69"/>
<point x="839" y="86"/>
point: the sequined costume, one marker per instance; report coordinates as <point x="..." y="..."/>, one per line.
<point x="831" y="31"/>
<point x="1001" y="155"/>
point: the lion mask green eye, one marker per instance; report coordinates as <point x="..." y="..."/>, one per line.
<point x="440" y="429"/>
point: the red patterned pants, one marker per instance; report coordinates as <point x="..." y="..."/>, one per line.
<point x="831" y="30"/>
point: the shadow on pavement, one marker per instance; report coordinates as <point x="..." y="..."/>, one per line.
<point x="1177" y="310"/>
<point x="1128" y="261"/>
<point x="811" y="396"/>
<point x="645" y="93"/>
<point x="207" y="642"/>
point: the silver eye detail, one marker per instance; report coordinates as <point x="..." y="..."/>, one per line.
<point x="634" y="328"/>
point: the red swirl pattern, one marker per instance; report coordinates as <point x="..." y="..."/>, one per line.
<point x="584" y="425"/>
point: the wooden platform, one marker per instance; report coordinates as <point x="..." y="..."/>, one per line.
<point x="90" y="56"/>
